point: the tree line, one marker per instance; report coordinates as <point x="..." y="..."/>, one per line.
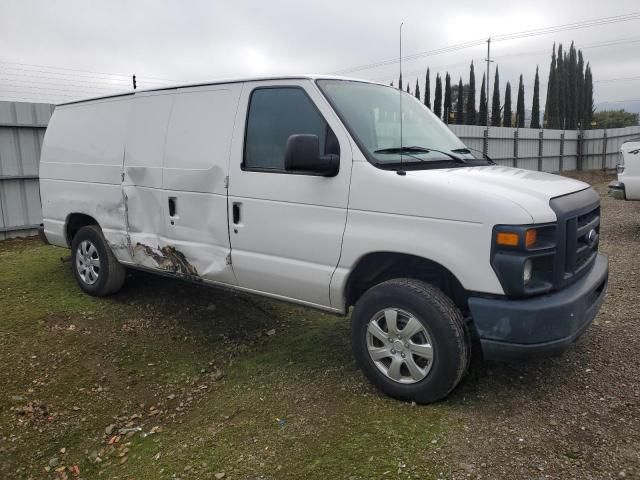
<point x="569" y="102"/>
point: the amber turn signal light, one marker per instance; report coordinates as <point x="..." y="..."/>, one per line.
<point x="507" y="239"/>
<point x="530" y="238"/>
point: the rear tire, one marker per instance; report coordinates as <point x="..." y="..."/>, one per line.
<point x="410" y="340"/>
<point x="95" y="267"/>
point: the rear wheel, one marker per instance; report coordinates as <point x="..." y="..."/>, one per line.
<point x="95" y="267"/>
<point x="410" y="340"/>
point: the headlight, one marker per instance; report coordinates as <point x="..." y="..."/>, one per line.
<point x="527" y="270"/>
<point x="523" y="257"/>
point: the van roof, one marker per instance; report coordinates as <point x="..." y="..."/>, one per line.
<point x="306" y="76"/>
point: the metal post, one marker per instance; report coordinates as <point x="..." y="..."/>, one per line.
<point x="485" y="143"/>
<point x="540" y="149"/>
<point x="487" y="84"/>
<point x="579" y="149"/>
<point x="604" y="150"/>
<point x="515" y="148"/>
<point x="560" y="165"/>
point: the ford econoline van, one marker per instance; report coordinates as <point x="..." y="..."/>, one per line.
<point x="330" y="193"/>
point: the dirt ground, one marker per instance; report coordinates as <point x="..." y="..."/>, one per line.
<point x="167" y="380"/>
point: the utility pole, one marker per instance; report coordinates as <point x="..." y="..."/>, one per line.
<point x="488" y="68"/>
<point x="134" y="81"/>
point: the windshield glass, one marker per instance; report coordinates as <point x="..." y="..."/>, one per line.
<point x="372" y="115"/>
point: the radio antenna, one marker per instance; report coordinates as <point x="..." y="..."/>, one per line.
<point x="400" y="171"/>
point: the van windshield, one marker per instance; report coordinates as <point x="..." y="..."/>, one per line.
<point x="371" y="113"/>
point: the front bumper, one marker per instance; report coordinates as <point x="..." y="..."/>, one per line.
<point x="617" y="191"/>
<point x="540" y="326"/>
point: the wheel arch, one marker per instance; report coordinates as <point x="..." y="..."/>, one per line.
<point x="377" y="267"/>
<point x="74" y="222"/>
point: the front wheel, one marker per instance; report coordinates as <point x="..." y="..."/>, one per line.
<point x="410" y="340"/>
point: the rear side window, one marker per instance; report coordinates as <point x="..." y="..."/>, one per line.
<point x="274" y="115"/>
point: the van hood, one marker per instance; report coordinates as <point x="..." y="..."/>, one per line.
<point x="529" y="189"/>
<point x="510" y="180"/>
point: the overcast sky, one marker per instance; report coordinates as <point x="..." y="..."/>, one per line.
<point x="189" y="40"/>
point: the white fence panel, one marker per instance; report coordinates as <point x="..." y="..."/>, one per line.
<point x="22" y="127"/>
<point x="558" y="153"/>
<point x="528" y="146"/>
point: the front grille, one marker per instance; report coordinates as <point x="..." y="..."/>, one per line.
<point x="578" y="234"/>
<point x="583" y="237"/>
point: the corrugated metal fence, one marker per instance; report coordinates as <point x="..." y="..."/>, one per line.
<point x="548" y="150"/>
<point x="22" y="127"/>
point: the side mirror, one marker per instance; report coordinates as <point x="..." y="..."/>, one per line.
<point x="303" y="155"/>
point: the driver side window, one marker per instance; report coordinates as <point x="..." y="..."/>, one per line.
<point x="275" y="113"/>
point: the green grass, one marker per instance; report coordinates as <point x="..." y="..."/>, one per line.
<point x="289" y="405"/>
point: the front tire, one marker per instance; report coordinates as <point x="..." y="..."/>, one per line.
<point x="410" y="340"/>
<point x="95" y="267"/>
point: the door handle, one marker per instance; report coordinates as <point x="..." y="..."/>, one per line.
<point x="236" y="213"/>
<point x="173" y="202"/>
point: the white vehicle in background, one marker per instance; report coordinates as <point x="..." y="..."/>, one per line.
<point x="627" y="187"/>
<point x="310" y="189"/>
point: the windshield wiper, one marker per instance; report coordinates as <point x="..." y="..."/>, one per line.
<point x="467" y="150"/>
<point x="416" y="149"/>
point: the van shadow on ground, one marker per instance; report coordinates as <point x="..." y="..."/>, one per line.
<point x="319" y="339"/>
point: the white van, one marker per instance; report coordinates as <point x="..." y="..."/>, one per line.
<point x="301" y="188"/>
<point x="627" y="187"/>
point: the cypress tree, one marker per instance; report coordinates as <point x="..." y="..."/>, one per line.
<point x="417" y="90"/>
<point x="400" y="82"/>
<point x="437" y="101"/>
<point x="535" y="109"/>
<point x="507" y="106"/>
<point x="447" y="98"/>
<point x="561" y="80"/>
<point x="460" y="104"/>
<point x="551" y="111"/>
<point x="471" y="98"/>
<point x="391" y="84"/>
<point x="408" y="89"/>
<point x="580" y="95"/>
<point x="427" y="91"/>
<point x="588" y="97"/>
<point x="495" y="104"/>
<point x="520" y="105"/>
<point x="572" y="88"/>
<point x="482" y="112"/>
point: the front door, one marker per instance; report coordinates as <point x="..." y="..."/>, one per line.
<point x="286" y="228"/>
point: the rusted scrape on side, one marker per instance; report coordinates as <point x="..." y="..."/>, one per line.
<point x="169" y="259"/>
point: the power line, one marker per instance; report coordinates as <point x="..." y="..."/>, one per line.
<point x="40" y="88"/>
<point x="569" y="26"/>
<point x="53" y="84"/>
<point x="608" y="43"/>
<point x="126" y="76"/>
<point x="499" y="38"/>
